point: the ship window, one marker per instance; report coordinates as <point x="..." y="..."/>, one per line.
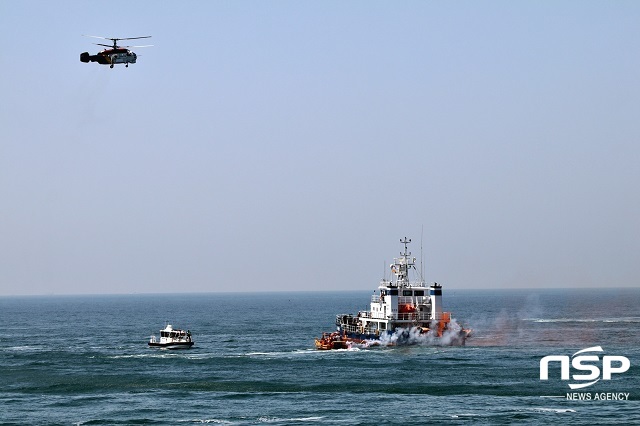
<point x="393" y="292"/>
<point x="407" y="293"/>
<point x="419" y="293"/>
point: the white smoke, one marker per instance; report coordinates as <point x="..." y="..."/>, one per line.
<point x="452" y="336"/>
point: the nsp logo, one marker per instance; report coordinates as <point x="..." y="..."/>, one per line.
<point x="622" y="364"/>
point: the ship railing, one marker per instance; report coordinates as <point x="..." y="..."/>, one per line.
<point x="361" y="314"/>
<point x="415" y="284"/>
<point x="349" y="328"/>
<point x="444" y="316"/>
<point x="405" y="316"/>
<point x="375" y="299"/>
<point x="343" y="317"/>
<point x="348" y="318"/>
<point x="404" y="283"/>
<point x="413" y="316"/>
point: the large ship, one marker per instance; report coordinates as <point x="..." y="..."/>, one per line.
<point x="402" y="311"/>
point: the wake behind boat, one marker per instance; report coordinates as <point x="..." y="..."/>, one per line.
<point x="404" y="312"/>
<point x="171" y="338"/>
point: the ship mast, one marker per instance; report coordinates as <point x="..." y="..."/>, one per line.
<point x="405" y="242"/>
<point x="401" y="265"/>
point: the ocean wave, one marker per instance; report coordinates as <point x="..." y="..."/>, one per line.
<point x="262" y="419"/>
<point x="25" y="348"/>
<point x="468" y="415"/>
<point x="146" y="355"/>
<point x="280" y="354"/>
<point x="553" y="410"/>
<point x="265" y="419"/>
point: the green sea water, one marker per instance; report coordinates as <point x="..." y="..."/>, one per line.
<point x="84" y="360"/>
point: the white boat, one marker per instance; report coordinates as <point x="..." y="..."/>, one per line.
<point x="403" y="312"/>
<point x="171" y="338"/>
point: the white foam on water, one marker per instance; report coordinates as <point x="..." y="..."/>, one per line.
<point x="162" y="354"/>
<point x="281" y="354"/>
<point x="555" y="410"/>
<point x="293" y="419"/>
<point x="25" y="348"/>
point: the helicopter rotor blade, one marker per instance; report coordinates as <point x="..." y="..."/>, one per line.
<point x="132" y="38"/>
<point x="100" y="44"/>
<point x="148" y="45"/>
<point x="116" y="39"/>
<point x="104" y="38"/>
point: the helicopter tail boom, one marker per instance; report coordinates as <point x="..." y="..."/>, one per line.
<point x="104" y="60"/>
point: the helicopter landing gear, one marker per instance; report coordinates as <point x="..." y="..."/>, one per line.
<point x="127" y="66"/>
<point x="111" y="66"/>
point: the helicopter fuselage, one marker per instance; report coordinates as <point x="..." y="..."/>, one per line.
<point x="110" y="57"/>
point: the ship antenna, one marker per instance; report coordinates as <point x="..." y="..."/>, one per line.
<point x="405" y="242"/>
<point x="421" y="254"/>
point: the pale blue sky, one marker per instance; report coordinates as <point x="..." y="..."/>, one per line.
<point x="290" y="145"/>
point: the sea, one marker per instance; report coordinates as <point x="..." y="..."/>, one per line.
<point x="84" y="360"/>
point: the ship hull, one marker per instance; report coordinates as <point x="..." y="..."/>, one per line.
<point x="173" y="345"/>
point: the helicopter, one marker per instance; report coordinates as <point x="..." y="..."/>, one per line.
<point x="115" y="54"/>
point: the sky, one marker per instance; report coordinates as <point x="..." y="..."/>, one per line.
<point x="286" y="145"/>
